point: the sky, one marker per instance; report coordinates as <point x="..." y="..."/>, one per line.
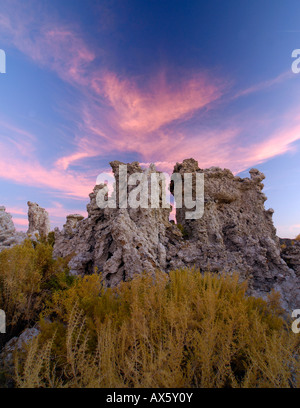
<point x="88" y="82"/>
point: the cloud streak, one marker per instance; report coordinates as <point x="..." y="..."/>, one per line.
<point x="22" y="167"/>
<point x="261" y="86"/>
<point x="145" y="111"/>
<point x="155" y="120"/>
<point x="46" y="41"/>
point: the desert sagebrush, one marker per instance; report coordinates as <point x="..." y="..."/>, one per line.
<point x="28" y="275"/>
<point x="181" y="330"/>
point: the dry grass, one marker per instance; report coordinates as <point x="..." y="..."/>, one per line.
<point x="28" y="275"/>
<point x="181" y="330"/>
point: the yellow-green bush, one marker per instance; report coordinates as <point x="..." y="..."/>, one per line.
<point x="28" y="275"/>
<point x="184" y="329"/>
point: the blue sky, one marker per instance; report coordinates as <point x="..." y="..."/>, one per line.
<point x="88" y="82"/>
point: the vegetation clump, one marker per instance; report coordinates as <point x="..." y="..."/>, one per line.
<point x="185" y="329"/>
<point x="28" y="276"/>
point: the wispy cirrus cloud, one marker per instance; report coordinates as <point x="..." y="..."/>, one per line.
<point x="59" y="211"/>
<point x="138" y="120"/>
<point x="267" y="84"/>
<point x="20" y="223"/>
<point x="159" y="103"/>
<point x="117" y="114"/>
<point x="45" y="40"/>
<point x="22" y="166"/>
<point x="153" y="118"/>
<point x="279" y="142"/>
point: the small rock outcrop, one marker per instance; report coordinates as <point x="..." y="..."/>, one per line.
<point x="118" y="242"/>
<point x="38" y="220"/>
<point x="72" y="221"/>
<point x="8" y="234"/>
<point x="16" y="344"/>
<point x="236" y="233"/>
<point x="38" y="224"/>
<point x="290" y="253"/>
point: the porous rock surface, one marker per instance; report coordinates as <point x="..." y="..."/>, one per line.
<point x="38" y="219"/>
<point x="235" y="234"/>
<point x="38" y="224"/>
<point x="8" y="234"/>
<point x="290" y="252"/>
<point x="16" y="344"/>
<point x="117" y="242"/>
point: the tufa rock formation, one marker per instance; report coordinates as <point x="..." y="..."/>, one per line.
<point x="8" y="234"/>
<point x="38" y="224"/>
<point x="38" y="220"/>
<point x="236" y="233"/>
<point x="290" y="252"/>
<point x="118" y="242"/>
<point x="7" y="354"/>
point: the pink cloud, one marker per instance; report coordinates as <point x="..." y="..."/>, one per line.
<point x="47" y="41"/>
<point x="18" y="163"/>
<point x="140" y="120"/>
<point x="28" y="171"/>
<point x="60" y="212"/>
<point x="20" y="221"/>
<point x="21" y="224"/>
<point x="16" y="210"/>
<point x="64" y="162"/>
<point x="120" y="115"/>
<point x="117" y="114"/>
<point x="133" y="119"/>
<point x="145" y="111"/>
<point x="265" y="84"/>
<point x="278" y="143"/>
<point x="288" y="231"/>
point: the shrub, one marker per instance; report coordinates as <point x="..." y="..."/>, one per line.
<point x="28" y="275"/>
<point x="51" y="238"/>
<point x="181" y="330"/>
<point x="297" y="237"/>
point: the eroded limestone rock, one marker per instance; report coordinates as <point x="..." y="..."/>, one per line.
<point x="290" y="252"/>
<point x="8" y="234"/>
<point x="39" y="225"/>
<point x="236" y="233"/>
<point x="16" y="344"/>
<point x="118" y="242"/>
<point x="38" y="220"/>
